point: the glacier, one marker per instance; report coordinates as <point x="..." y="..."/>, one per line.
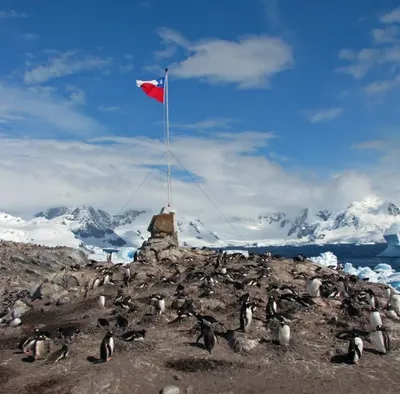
<point x="392" y="238"/>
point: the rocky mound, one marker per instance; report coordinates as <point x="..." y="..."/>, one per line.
<point x="242" y="362"/>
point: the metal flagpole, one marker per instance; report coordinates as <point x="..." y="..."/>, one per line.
<point x="166" y="88"/>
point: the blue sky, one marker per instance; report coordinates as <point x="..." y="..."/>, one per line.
<point x="308" y="94"/>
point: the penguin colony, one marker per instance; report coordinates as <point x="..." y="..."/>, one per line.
<point x="208" y="279"/>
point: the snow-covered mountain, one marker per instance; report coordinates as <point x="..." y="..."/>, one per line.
<point x="361" y="222"/>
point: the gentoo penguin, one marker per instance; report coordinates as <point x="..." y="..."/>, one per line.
<point x="246" y="316"/>
<point x="395" y="300"/>
<point x="96" y="283"/>
<point x="39" y="349"/>
<point x="391" y="313"/>
<point x="102" y="323"/>
<point x="16" y="322"/>
<point x="208" y="335"/>
<point x="158" y="302"/>
<point x="271" y="306"/>
<point x="58" y="355"/>
<point x="355" y="350"/>
<point x="344" y="286"/>
<point x="122" y="322"/>
<point x="283" y="334"/>
<point x="371" y="298"/>
<point x="102" y="301"/>
<point x="381" y="339"/>
<point x="374" y="318"/>
<point x="68" y="333"/>
<point x="106" y="279"/>
<point x="389" y="290"/>
<point x="134" y="335"/>
<point x="107" y="347"/>
<point x="313" y="286"/>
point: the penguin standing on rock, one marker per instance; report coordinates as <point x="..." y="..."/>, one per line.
<point x="208" y="334"/>
<point x="158" y="302"/>
<point x="372" y="300"/>
<point x="355" y="349"/>
<point x="313" y="286"/>
<point x="102" y="301"/>
<point x="271" y="307"/>
<point x="381" y="339"/>
<point x="283" y="333"/>
<point x="246" y="316"/>
<point x="39" y="349"/>
<point x="375" y="319"/>
<point x="107" y="347"/>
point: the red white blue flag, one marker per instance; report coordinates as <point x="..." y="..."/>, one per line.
<point x="154" y="88"/>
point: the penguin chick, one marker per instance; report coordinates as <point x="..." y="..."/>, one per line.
<point x="107" y="347"/>
<point x="58" y="355"/>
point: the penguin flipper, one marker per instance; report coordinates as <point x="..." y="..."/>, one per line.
<point x="199" y="337"/>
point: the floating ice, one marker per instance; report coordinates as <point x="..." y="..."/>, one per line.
<point x="382" y="273"/>
<point x="392" y="237"/>
<point x="325" y="259"/>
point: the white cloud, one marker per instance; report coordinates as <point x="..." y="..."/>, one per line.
<point x="44" y="112"/>
<point x="392" y="16"/>
<point x="386" y="35"/>
<point x="12" y="14"/>
<point x="76" y="95"/>
<point x="380" y="87"/>
<point x="30" y="36"/>
<point x="249" y="62"/>
<point x="109" y="108"/>
<point x="63" y="64"/>
<point x="323" y="114"/>
<point x="208" y="124"/>
<point x="104" y="172"/>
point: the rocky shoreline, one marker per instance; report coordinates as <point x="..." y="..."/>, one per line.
<point x="49" y="288"/>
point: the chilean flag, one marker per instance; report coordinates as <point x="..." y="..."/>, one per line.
<point x="154" y="88"/>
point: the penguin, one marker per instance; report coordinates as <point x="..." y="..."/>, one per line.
<point x="68" y="333"/>
<point x="374" y="318"/>
<point x="313" y="287"/>
<point x="134" y="335"/>
<point x="122" y="322"/>
<point x="96" y="283"/>
<point x="344" y="286"/>
<point x="355" y="349"/>
<point x="16" y="322"/>
<point x="381" y="339"/>
<point x="102" y="301"/>
<point x="127" y="272"/>
<point x="391" y="313"/>
<point x="158" y="302"/>
<point x="371" y="298"/>
<point x="106" y="279"/>
<point x="395" y="300"/>
<point x="102" y="323"/>
<point x="271" y="306"/>
<point x="58" y="355"/>
<point x="246" y="316"/>
<point x="283" y="334"/>
<point x="27" y="343"/>
<point x="39" y="348"/>
<point x="107" y="347"/>
<point x="208" y="335"/>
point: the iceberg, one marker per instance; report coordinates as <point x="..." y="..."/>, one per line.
<point x="392" y="238"/>
<point x="381" y="273"/>
<point x="325" y="259"/>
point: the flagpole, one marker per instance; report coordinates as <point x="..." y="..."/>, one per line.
<point x="166" y="103"/>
